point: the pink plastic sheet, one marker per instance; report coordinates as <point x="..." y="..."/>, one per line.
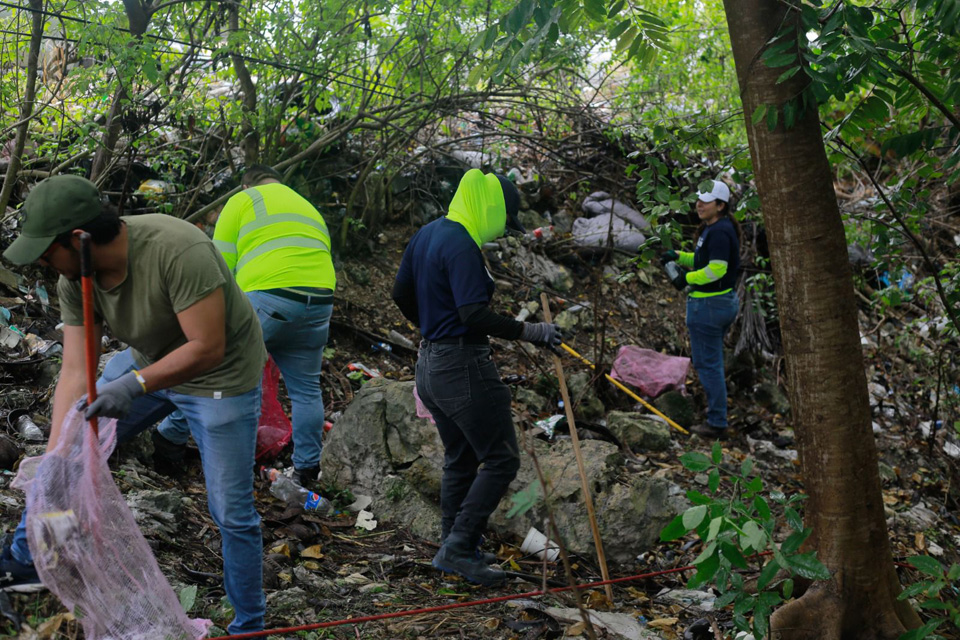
<point x="274" y="430"/>
<point x="87" y="547"/>
<point x="649" y="371"/>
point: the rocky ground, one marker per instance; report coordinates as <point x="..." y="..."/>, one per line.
<point x="328" y="568"/>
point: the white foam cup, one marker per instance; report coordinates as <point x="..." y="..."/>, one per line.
<point x="537" y="544"/>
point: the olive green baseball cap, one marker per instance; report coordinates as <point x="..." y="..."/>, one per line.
<point x="56" y="205"/>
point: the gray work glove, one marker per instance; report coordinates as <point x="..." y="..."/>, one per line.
<point x="113" y="398"/>
<point x="546" y="333"/>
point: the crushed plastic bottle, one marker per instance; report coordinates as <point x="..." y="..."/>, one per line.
<point x="289" y="490"/>
<point x="29" y="430"/>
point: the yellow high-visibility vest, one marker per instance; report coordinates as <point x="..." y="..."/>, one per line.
<point x="272" y="237"/>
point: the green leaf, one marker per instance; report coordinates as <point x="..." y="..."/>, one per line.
<point x="674" y="530"/>
<point x="772" y="116"/>
<point x="746" y="467"/>
<point x="758" y="114"/>
<point x="913" y="590"/>
<point x="954" y="574"/>
<point x="693" y="516"/>
<point x="731" y="553"/>
<point x="793" y="519"/>
<point x="789" y="73"/>
<point x="615" y="32"/>
<point x="753" y="537"/>
<point x="767" y="574"/>
<point x="807" y="566"/>
<point x="188" y="597"/>
<point x="716" y="453"/>
<point x="705" y="571"/>
<point x="616" y="8"/>
<point x="524" y="500"/>
<point x="698" y="498"/>
<point x="927" y="565"/>
<point x="787" y="588"/>
<point x="595" y="9"/>
<point x="714" y="528"/>
<point x="695" y="461"/>
<point x="713" y="480"/>
<point x="793" y="542"/>
<point x="922" y="632"/>
<point x="763" y="509"/>
<point x="710" y="549"/>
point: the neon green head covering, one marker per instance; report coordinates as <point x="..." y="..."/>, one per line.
<point x="479" y="206"/>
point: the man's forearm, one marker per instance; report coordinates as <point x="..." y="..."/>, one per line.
<point x="181" y="365"/>
<point x="70" y="387"/>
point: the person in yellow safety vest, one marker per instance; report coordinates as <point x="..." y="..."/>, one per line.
<point x="278" y="246"/>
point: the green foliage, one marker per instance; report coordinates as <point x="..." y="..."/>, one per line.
<point x="937" y="593"/>
<point x="524" y="500"/>
<point x="188" y="597"/>
<point x="734" y="521"/>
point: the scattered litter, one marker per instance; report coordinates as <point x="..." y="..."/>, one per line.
<point x="618" y="624"/>
<point x="363" y="369"/>
<point x="702" y="600"/>
<point x="361" y="503"/>
<point x="399" y="338"/>
<point x="28" y="429"/>
<point x="10" y="337"/>
<point x="537" y="544"/>
<point x="422" y="411"/>
<point x="549" y="425"/>
<point x="365" y="521"/>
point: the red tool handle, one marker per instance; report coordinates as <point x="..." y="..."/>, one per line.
<point x="89" y="334"/>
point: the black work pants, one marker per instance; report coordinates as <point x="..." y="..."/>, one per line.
<point x="461" y="387"/>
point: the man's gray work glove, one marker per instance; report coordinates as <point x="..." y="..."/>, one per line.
<point x="114" y="398"/>
<point x="546" y="333"/>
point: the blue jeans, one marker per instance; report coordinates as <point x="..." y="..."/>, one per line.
<point x="295" y="334"/>
<point x="708" y="320"/>
<point x="225" y="431"/>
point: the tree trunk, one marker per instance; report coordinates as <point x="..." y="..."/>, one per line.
<point x="26" y="107"/>
<point x="821" y="340"/>
<point x="250" y="137"/>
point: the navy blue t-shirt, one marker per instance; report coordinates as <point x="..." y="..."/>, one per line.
<point x="718" y="242"/>
<point x="445" y="267"/>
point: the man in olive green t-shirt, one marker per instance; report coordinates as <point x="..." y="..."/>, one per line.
<point x="195" y="346"/>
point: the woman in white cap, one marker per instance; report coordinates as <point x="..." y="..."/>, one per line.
<point x="710" y="272"/>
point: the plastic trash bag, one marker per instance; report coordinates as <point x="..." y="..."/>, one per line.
<point x="649" y="371"/>
<point x="87" y="547"/>
<point x="274" y="430"/>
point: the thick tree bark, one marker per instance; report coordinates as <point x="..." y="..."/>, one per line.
<point x="26" y="107"/>
<point x="818" y="320"/>
<point x="250" y="137"/>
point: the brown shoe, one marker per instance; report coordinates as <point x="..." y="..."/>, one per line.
<point x="706" y="430"/>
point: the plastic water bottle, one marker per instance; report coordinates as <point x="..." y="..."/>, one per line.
<point x="382" y="346"/>
<point x="28" y="429"/>
<point x="290" y="491"/>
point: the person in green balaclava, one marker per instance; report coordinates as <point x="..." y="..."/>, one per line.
<point x="444" y="288"/>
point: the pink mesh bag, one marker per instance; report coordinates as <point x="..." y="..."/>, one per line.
<point x="650" y="371"/>
<point x="274" y="430"/>
<point x="422" y="411"/>
<point x="87" y="547"/>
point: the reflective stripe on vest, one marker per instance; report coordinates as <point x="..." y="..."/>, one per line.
<point x="280" y="243"/>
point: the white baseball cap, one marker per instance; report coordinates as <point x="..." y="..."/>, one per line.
<point x="720" y="191"/>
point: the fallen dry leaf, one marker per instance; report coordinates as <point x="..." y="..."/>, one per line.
<point x="312" y="552"/>
<point x="663" y="623"/>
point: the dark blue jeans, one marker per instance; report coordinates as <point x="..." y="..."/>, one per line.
<point x="461" y="387"/>
<point x="708" y="320"/>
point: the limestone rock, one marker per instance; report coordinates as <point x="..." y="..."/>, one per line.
<point x="156" y="512"/>
<point x="530" y="399"/>
<point x="639" y="433"/>
<point x="380" y="448"/>
<point x="769" y="395"/>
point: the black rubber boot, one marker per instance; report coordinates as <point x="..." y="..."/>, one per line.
<point x="483" y="556"/>
<point x="459" y="555"/>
